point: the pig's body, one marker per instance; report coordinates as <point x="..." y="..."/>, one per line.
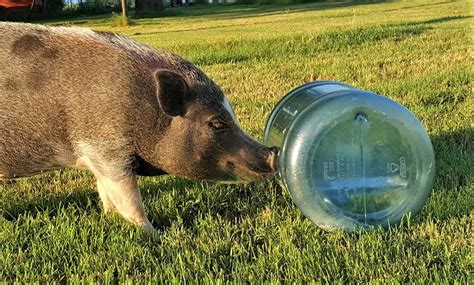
<point x="77" y="98"/>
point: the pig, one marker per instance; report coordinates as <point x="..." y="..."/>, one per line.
<point x="73" y="97"/>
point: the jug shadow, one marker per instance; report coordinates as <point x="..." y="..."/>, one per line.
<point x="454" y="154"/>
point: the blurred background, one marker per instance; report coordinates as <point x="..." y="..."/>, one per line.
<point x="26" y="10"/>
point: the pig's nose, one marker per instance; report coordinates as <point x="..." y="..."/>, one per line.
<point x="272" y="159"/>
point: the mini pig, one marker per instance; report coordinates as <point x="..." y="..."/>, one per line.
<point x="72" y="97"/>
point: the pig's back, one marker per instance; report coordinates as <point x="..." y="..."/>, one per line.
<point x="58" y="87"/>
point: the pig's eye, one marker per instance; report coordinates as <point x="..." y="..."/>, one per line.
<point x="216" y="125"/>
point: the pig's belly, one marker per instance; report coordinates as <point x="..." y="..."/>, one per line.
<point x="21" y="175"/>
<point x="25" y="151"/>
<point x="33" y="134"/>
<point x="26" y="160"/>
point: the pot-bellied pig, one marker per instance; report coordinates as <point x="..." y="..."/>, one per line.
<point x="72" y="97"/>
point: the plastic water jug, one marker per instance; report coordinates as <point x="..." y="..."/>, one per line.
<point x="350" y="158"/>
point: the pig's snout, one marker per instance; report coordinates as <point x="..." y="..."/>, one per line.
<point x="267" y="158"/>
<point x="272" y="158"/>
<point x="252" y="163"/>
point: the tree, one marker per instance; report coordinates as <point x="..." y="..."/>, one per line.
<point x="124" y="8"/>
<point x="148" y="5"/>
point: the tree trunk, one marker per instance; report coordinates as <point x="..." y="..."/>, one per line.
<point x="149" y="5"/>
<point x="124" y="8"/>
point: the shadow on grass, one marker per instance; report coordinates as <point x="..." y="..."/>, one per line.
<point x="216" y="12"/>
<point x="331" y="41"/>
<point x="193" y="199"/>
<point x="443" y="19"/>
<point x="418" y="6"/>
<point x="79" y="198"/>
<point x="450" y="199"/>
<point x="229" y="12"/>
<point x="452" y="196"/>
<point x="183" y="201"/>
<point x="454" y="152"/>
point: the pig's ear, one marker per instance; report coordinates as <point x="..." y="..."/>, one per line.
<point x="171" y="90"/>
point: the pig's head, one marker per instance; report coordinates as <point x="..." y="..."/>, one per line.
<point x="202" y="139"/>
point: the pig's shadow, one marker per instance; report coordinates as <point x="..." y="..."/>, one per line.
<point x="79" y="199"/>
<point x="453" y="151"/>
<point x="191" y="200"/>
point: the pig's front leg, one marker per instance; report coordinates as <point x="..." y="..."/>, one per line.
<point x="120" y="194"/>
<point x="124" y="196"/>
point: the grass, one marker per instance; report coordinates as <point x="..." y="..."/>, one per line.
<point x="119" y="20"/>
<point x="418" y="53"/>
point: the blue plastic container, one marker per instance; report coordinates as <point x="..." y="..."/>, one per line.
<point x="350" y="158"/>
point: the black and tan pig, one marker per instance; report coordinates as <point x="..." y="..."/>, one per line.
<point x="72" y="97"/>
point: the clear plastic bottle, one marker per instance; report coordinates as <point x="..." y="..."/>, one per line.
<point x="350" y="158"/>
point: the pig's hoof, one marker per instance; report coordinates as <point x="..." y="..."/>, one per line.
<point x="147" y="226"/>
<point x="107" y="205"/>
<point x="107" y="209"/>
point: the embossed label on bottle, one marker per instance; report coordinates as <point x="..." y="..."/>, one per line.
<point x="329" y="170"/>
<point x="403" y="167"/>
<point x="398" y="167"/>
<point x="340" y="168"/>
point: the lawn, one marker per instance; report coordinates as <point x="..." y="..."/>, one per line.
<point x="418" y="53"/>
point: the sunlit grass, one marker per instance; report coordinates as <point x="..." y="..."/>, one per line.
<point x="416" y="52"/>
